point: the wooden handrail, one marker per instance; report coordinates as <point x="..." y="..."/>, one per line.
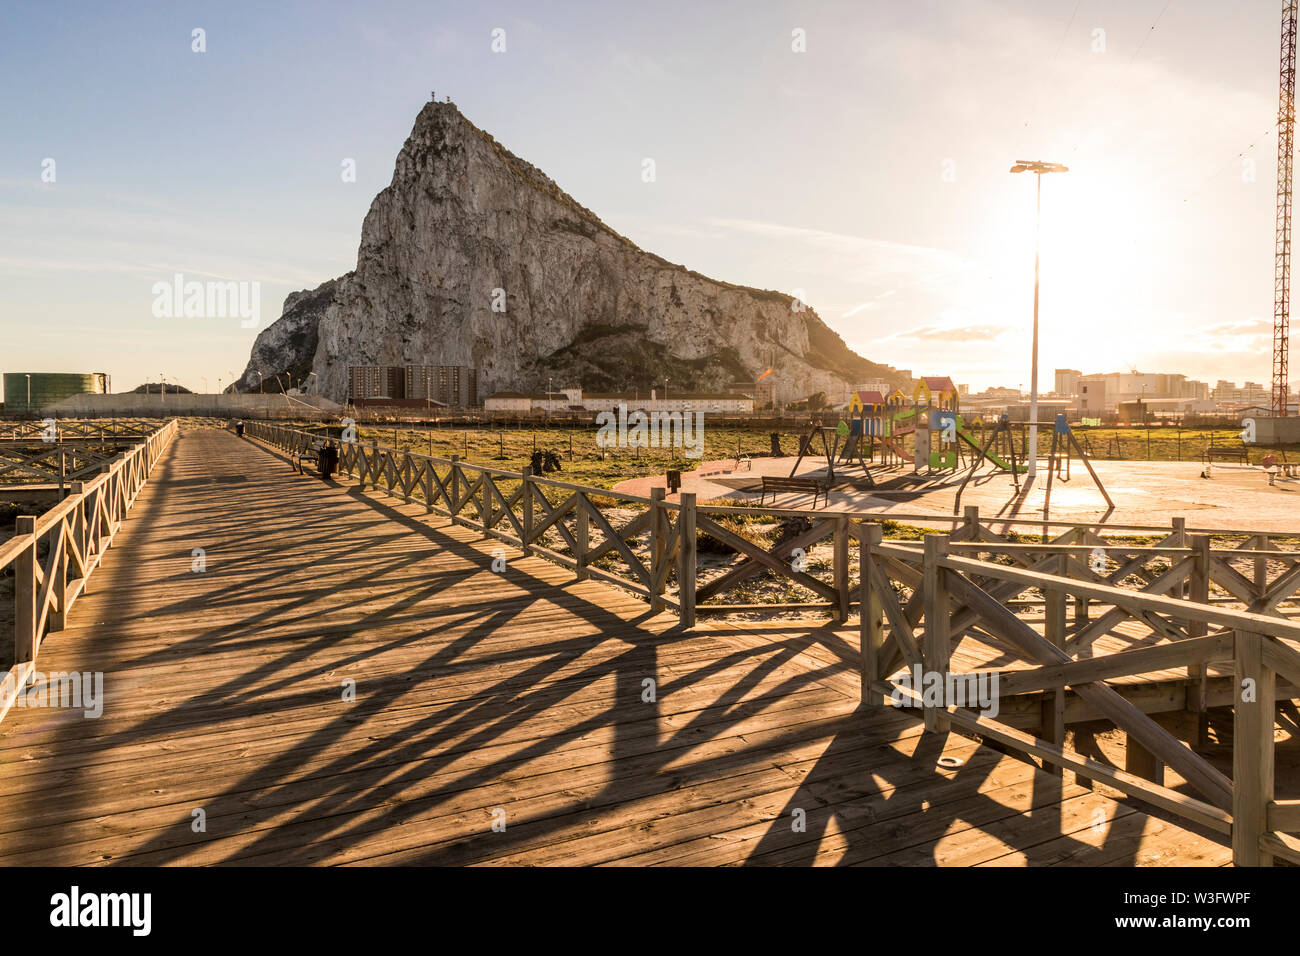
<point x="78" y="531"/>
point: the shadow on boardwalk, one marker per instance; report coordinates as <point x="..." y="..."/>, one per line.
<point x="520" y="700"/>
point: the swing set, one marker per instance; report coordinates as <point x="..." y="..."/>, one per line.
<point x="1058" y="460"/>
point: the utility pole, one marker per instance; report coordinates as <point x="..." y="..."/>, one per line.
<point x="1038" y="168"/>
<point x="1282" y="222"/>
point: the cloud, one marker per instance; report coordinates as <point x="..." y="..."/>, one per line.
<point x="967" y="333"/>
<point x="852" y="258"/>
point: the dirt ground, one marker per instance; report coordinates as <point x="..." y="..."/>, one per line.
<point x="1144" y="492"/>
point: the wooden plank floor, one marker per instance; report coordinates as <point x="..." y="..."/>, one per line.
<point x="480" y="697"/>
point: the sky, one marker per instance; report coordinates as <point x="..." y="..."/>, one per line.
<point x="853" y="154"/>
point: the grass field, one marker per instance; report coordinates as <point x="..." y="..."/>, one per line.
<point x="582" y="461"/>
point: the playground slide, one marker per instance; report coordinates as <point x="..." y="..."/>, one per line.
<point x="1000" y="462"/>
<point x="896" y="449"/>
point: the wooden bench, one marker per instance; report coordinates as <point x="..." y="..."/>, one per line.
<point x="804" y="486"/>
<point x="1214" y="453"/>
<point x="297" y="458"/>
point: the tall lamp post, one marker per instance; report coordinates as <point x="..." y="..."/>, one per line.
<point x="1038" y="168"/>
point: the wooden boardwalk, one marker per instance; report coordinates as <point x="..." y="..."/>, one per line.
<point x="480" y="697"/>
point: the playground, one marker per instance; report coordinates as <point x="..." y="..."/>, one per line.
<point x="918" y="456"/>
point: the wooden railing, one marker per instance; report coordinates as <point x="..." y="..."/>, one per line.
<point x="637" y="543"/>
<point x="917" y="599"/>
<point x="34" y="460"/>
<point x="52" y="556"/>
<point x="75" y="430"/>
<point x="951" y="595"/>
<point x="633" y="542"/>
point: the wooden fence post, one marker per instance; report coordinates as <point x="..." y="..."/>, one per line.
<point x="971" y="523"/>
<point x="840" y="570"/>
<point x="79" y="523"/>
<point x="25" y="593"/>
<point x="582" y="537"/>
<point x="686" y="560"/>
<point x="1261" y="566"/>
<point x="1080" y="536"/>
<point x="1180" y="541"/>
<point x="1252" y="750"/>
<point x="454" y="509"/>
<point x="1052" y="708"/>
<point x="938" y="649"/>
<point x="1198" y="592"/>
<point x="871" y="621"/>
<point x="526" y="498"/>
<point x="658" y="542"/>
<point x="59" y="575"/>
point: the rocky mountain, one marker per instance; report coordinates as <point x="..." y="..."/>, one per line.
<point x="472" y="256"/>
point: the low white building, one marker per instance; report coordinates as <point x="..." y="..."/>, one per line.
<point x="571" y="399"/>
<point x="508" y="402"/>
<point x="716" y="402"/>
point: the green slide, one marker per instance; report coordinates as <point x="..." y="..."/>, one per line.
<point x="1000" y="462"/>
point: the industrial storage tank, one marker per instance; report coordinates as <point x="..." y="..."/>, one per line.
<point x="32" y="391"/>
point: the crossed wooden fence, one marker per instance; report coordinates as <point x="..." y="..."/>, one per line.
<point x="634" y="542"/>
<point x="52" y="557"/>
<point x="917" y="600"/>
<point x="956" y="593"/>
<point x="74" y="430"/>
<point x="25" y="461"/>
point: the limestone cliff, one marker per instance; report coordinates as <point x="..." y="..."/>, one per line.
<point x="466" y="229"/>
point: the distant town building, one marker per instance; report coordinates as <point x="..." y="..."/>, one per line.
<point x="508" y="402"/>
<point x="451" y="385"/>
<point x="1251" y="393"/>
<point x="376" y="381"/>
<point x="1135" y="411"/>
<point x="674" y="401"/>
<point x="455" y="385"/>
<point x="652" y="400"/>
<point x="1067" y="382"/>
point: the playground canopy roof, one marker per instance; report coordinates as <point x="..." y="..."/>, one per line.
<point x="939" y="386"/>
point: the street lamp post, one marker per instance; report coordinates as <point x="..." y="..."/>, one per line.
<point x="1038" y="168"/>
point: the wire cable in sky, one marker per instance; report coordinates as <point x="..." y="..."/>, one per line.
<point x="1146" y="36"/>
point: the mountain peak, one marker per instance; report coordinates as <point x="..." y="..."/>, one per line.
<point x="473" y="256"/>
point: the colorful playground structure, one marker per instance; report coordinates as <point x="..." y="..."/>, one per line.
<point x="877" y="427"/>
